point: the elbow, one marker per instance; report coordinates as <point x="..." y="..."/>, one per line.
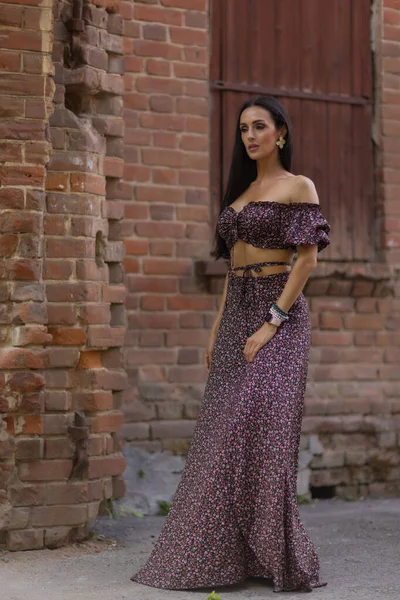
<point x="308" y="263"/>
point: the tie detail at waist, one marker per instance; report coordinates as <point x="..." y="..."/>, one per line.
<point x="257" y="267"/>
<point x="247" y="293"/>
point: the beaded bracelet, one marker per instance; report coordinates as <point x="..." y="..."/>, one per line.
<point x="279" y="312"/>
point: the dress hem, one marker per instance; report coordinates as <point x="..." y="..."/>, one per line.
<point x="304" y="587"/>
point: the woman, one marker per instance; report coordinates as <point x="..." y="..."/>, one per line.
<point x="235" y="514"/>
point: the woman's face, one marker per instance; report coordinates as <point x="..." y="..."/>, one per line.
<point x="259" y="134"/>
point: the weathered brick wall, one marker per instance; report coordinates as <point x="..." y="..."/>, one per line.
<point x="63" y="318"/>
<point x="352" y="418"/>
<point x="24" y="65"/>
<point x="166" y="188"/>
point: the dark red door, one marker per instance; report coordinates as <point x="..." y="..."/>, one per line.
<point x="315" y="57"/>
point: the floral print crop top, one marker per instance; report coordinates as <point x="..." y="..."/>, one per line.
<point x="275" y="225"/>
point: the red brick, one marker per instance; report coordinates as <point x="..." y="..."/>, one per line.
<point x="57" y="400"/>
<point x="188" y="37"/>
<point x="160" y="230"/>
<point x="165" y="266"/>
<point x="93" y="184"/>
<point x="136" y="173"/>
<point x="157" y="49"/>
<point x="96" y="446"/>
<point x="70" y="248"/>
<point x="57" y="182"/>
<point x="90" y="359"/>
<point x="102" y="337"/>
<point x="158" y="85"/>
<point x="23" y="269"/>
<point x="49" y="516"/>
<point x="63" y="357"/>
<point x="154" y="31"/>
<point x="59" y="448"/>
<point x="27" y="539"/>
<point x="8" y="245"/>
<point x="361" y="322"/>
<point x="157" y="321"/>
<point x="63" y="336"/>
<point x="24" y="336"/>
<point x="29" y="449"/>
<point x="11" y="199"/>
<point x="191" y="320"/>
<point x="61" y="314"/>
<point x="156" y="66"/>
<point x="136" y="247"/>
<point x="26" y="495"/>
<point x="186" y="302"/>
<point x="186" y="338"/>
<point x="190" y="71"/>
<point x="196" y="88"/>
<point x="107" y="422"/>
<point x="57" y="270"/>
<point x="157" y="14"/>
<point x="45" y="470"/>
<point x="29" y="425"/>
<point x="73" y="203"/>
<point x="106" y="466"/>
<point x="113" y="167"/>
<point x="366" y="305"/>
<point x="17" y="359"/>
<point x="196" y="55"/>
<point x="114" y="294"/>
<point x="18" y="222"/>
<point x="152" y="302"/>
<point x="53" y="225"/>
<point x="332" y="338"/>
<point x="72" y="292"/>
<point x="11" y="16"/>
<point x="365" y="338"/>
<point x="161" y="248"/>
<point x="10" y="152"/>
<point x="29" y="312"/>
<point x="196" y="19"/>
<point x="330" y="321"/>
<point x="93" y="401"/>
<point x="98" y="314"/>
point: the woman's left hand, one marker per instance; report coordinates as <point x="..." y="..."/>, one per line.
<point x="258" y="340"/>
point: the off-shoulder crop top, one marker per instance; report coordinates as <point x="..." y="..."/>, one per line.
<point x="275" y="225"/>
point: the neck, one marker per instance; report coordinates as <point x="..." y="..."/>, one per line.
<point x="269" y="167"/>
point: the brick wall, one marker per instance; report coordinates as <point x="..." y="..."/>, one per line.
<point x="63" y="320"/>
<point x="166" y="225"/>
<point x="352" y="418"/>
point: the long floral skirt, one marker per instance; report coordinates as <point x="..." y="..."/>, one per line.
<point x="234" y="514"/>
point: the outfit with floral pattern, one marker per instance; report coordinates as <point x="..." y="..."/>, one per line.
<point x="234" y="514"/>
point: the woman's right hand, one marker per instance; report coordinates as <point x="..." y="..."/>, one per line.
<point x="209" y="351"/>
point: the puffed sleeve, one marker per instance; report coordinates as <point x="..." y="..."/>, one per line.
<point x="304" y="225"/>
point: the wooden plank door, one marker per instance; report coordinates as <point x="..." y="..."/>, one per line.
<point x="315" y="58"/>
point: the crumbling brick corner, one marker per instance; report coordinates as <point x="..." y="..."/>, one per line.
<point x="62" y="320"/>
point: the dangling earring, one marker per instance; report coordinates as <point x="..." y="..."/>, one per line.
<point x="281" y="142"/>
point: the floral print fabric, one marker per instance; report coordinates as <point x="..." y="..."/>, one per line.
<point x="235" y="513"/>
<point x="275" y="225"/>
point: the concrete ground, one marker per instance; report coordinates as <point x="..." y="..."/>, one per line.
<point x="358" y="543"/>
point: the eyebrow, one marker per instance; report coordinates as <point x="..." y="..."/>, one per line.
<point x="254" y="122"/>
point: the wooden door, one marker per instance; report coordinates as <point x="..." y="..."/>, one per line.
<point x="315" y="57"/>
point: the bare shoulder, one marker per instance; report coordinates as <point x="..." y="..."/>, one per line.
<point x="303" y="190"/>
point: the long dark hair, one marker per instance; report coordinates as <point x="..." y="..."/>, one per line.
<point x="244" y="169"/>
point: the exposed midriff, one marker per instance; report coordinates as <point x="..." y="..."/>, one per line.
<point x="243" y="254"/>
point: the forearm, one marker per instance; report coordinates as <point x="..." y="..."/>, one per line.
<point x="298" y="277"/>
